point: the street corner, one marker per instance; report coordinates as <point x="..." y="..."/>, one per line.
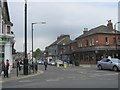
<point x="21" y="77"/>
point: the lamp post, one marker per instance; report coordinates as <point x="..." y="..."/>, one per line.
<point x="25" y="59"/>
<point x="32" y="34"/>
<point x="116" y="36"/>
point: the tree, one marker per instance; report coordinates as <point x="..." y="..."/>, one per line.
<point x="37" y="52"/>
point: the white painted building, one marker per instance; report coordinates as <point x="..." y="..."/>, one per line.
<point x="6" y="35"/>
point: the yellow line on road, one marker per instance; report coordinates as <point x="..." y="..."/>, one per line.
<point x="22" y="77"/>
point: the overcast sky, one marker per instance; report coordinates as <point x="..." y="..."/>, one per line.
<point x="62" y="17"/>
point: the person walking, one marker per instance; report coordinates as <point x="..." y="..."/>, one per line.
<point x="7" y="68"/>
<point x="45" y="64"/>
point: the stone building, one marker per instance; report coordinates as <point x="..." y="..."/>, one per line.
<point x="53" y="50"/>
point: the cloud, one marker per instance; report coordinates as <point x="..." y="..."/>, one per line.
<point x="62" y="18"/>
<point x="65" y="0"/>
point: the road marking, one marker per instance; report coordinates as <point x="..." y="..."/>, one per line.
<point x="25" y="81"/>
<point x="52" y="80"/>
<point x="55" y="79"/>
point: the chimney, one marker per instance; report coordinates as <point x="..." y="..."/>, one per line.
<point x="85" y="30"/>
<point x="110" y="24"/>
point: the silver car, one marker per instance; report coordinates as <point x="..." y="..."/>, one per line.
<point x="109" y="63"/>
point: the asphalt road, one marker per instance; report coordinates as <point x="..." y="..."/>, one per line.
<point x="70" y="77"/>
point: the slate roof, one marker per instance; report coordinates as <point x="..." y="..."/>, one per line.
<point x="99" y="30"/>
<point x="72" y="41"/>
<point x="58" y="41"/>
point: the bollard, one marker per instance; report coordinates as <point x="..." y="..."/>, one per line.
<point x="58" y="65"/>
<point x="65" y="65"/>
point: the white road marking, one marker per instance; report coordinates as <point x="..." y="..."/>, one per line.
<point x="52" y="80"/>
<point x="55" y="79"/>
<point x="25" y="81"/>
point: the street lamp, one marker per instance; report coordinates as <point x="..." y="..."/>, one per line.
<point x="116" y="36"/>
<point x="32" y="34"/>
<point x="25" y="59"/>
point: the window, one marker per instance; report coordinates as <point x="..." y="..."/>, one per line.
<point x="106" y="41"/>
<point x="2" y="27"/>
<point x="1" y="48"/>
<point x="86" y="43"/>
<point x="104" y="60"/>
<point x="118" y="40"/>
<point x="92" y="40"/>
<point x="114" y="40"/>
<point x="80" y="44"/>
<point x="8" y="30"/>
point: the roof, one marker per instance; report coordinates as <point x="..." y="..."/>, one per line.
<point x="7" y="13"/>
<point x="72" y="41"/>
<point x="59" y="40"/>
<point x="99" y="30"/>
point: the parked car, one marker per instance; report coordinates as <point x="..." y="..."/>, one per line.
<point x="109" y="63"/>
<point x="52" y="63"/>
<point x="60" y="62"/>
<point x="67" y="61"/>
<point x="41" y="62"/>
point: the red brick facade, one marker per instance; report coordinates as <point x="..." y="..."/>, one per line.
<point x="94" y="44"/>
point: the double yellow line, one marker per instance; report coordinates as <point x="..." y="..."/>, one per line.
<point x="21" y="77"/>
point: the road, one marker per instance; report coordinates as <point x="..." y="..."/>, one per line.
<point x="70" y="77"/>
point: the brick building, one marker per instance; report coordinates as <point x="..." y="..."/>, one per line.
<point x="97" y="43"/>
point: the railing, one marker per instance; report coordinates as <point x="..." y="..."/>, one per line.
<point x="32" y="68"/>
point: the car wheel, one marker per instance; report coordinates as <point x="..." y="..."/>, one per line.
<point x="100" y="67"/>
<point x="115" y="68"/>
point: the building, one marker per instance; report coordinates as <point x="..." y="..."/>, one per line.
<point x="67" y="50"/>
<point x="97" y="43"/>
<point x="6" y="34"/>
<point x="53" y="50"/>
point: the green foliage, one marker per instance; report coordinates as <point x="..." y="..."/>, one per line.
<point x="36" y="52"/>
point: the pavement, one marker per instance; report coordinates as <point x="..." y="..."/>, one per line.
<point x="13" y="75"/>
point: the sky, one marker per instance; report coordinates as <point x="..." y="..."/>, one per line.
<point x="61" y="17"/>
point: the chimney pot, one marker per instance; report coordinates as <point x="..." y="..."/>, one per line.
<point x="110" y="24"/>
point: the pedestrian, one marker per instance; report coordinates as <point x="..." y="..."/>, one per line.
<point x="7" y="68"/>
<point x="36" y="66"/>
<point x="45" y="64"/>
<point x="18" y="65"/>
